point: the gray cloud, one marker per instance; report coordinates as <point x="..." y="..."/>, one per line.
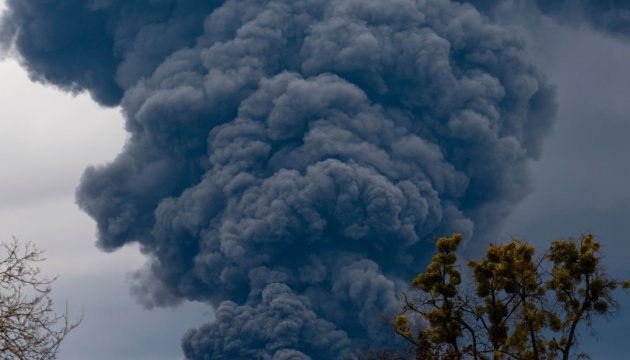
<point x="289" y="162"/>
<point x="611" y="17"/>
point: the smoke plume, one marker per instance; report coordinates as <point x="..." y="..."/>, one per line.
<point x="290" y="161"/>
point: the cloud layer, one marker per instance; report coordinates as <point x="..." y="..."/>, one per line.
<point x="611" y="17"/>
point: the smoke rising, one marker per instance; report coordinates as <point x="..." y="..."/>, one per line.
<point x="289" y="162"/>
<point x="103" y="46"/>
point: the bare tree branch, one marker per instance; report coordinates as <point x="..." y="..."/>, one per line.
<point x="29" y="327"/>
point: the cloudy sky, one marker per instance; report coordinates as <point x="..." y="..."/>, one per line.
<point x="48" y="138"/>
<point x="581" y="181"/>
<point x="44" y="148"/>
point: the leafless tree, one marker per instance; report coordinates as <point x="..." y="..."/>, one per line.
<point x="30" y="329"/>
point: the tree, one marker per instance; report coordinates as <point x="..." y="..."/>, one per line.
<point x="29" y="326"/>
<point x="512" y="307"/>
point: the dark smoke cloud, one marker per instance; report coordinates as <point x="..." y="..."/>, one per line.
<point x="282" y="320"/>
<point x="289" y="162"/>
<point x="103" y="46"/>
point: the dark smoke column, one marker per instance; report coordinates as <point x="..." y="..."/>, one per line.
<point x="289" y="162"/>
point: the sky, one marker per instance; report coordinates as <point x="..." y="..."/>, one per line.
<point x="41" y="168"/>
<point x="579" y="186"/>
<point x="581" y="181"/>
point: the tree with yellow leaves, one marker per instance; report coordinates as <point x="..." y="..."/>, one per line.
<point x="512" y="307"/>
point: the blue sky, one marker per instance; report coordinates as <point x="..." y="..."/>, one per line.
<point x="580" y="185"/>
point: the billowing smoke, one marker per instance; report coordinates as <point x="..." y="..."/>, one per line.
<point x="103" y="46"/>
<point x="290" y="161"/>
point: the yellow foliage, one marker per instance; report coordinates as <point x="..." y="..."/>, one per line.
<point x="511" y="288"/>
<point x="401" y="323"/>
